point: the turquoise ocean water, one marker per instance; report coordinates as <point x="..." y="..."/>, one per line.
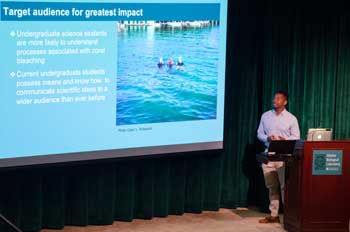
<point x="147" y="94"/>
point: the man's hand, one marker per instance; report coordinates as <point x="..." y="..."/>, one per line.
<point x="272" y="137"/>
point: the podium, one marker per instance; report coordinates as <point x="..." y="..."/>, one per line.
<point x="317" y="188"/>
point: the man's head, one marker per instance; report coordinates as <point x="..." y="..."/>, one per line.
<point x="280" y="100"/>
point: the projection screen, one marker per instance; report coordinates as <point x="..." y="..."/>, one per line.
<point x="86" y="80"/>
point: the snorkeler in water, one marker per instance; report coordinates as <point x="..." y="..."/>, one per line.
<point x="170" y="62"/>
<point x="160" y="63"/>
<point x="180" y="62"/>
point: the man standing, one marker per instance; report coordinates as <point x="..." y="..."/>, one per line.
<point x="276" y="124"/>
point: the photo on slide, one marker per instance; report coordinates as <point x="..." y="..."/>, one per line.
<point x="167" y="71"/>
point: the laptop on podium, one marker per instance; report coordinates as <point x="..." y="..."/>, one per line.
<point x="279" y="150"/>
<point x="320" y="134"/>
<point x="282" y="147"/>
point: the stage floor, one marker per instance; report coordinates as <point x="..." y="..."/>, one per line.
<point x="225" y="220"/>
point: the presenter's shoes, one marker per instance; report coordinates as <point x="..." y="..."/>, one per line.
<point x="270" y="219"/>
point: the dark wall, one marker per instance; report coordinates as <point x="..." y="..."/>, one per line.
<point x="303" y="49"/>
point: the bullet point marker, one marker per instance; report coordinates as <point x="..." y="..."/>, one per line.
<point x="12" y="33"/>
<point x="12" y="74"/>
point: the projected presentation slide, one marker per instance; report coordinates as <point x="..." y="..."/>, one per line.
<point x="86" y="80"/>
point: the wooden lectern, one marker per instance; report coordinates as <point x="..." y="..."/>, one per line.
<point x="317" y="191"/>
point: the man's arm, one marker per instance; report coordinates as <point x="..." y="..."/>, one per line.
<point x="294" y="130"/>
<point x="261" y="132"/>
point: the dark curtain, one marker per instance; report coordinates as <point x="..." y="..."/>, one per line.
<point x="271" y="46"/>
<point x="102" y="193"/>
